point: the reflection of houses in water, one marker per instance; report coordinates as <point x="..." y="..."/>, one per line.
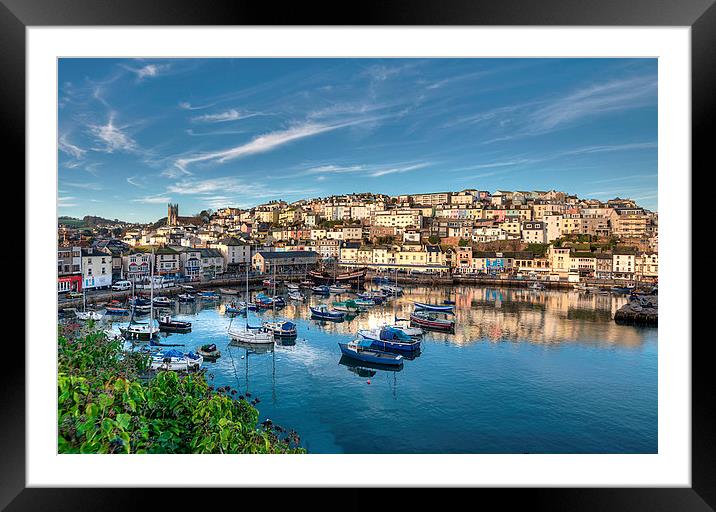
<point x="518" y="314"/>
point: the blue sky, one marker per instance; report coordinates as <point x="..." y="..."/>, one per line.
<point x="135" y="134"/>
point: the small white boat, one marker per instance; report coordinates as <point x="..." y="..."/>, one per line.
<point x="537" y="286"/>
<point x="338" y="289"/>
<point x="293" y="286"/>
<point x="228" y="291"/>
<point x="251" y="335"/>
<point x="137" y="331"/>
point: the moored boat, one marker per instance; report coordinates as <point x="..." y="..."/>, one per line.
<point x="209" y="352"/>
<point x="323" y="312"/>
<point x="322" y="289"/>
<point x="162" y="302"/>
<point x="228" y="291"/>
<point x="166" y="324"/>
<point x="428" y="320"/>
<point x="434" y="307"/>
<point x="281" y="329"/>
<point x="186" y="297"/>
<point x="292" y="286"/>
<point x="361" y="349"/>
<point x="174" y="360"/>
<point x="349" y="306"/>
<point x="254" y="335"/>
<point x="208" y="295"/>
<point x="297" y="296"/>
<point x="391" y="338"/>
<point x="338" y="289"/>
<point x="89" y="315"/>
<point x="116" y="311"/>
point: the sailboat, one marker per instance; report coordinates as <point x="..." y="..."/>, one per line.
<point x="87" y="315"/>
<point x="143" y="331"/>
<point x="279" y="328"/>
<point x="405" y="328"/>
<point x="250" y="334"/>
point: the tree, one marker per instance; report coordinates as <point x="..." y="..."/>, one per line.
<point x="434" y="239"/>
<point x="463" y="242"/>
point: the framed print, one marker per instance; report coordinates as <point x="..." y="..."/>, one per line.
<point x="416" y="248"/>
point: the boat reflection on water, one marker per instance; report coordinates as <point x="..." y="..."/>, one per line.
<point x="363" y="368"/>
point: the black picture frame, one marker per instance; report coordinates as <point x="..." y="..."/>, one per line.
<point x="700" y="15"/>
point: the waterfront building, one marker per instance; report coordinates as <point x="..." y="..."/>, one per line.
<point x="284" y="261"/>
<point x="236" y="253"/>
<point x="69" y="269"/>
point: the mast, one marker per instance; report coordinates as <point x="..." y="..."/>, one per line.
<point x="247" y="299"/>
<point x="151" y="293"/>
<point x="273" y="300"/>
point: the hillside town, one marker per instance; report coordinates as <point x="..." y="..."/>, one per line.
<point x="538" y="235"/>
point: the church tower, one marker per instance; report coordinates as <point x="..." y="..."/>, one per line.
<point x="173" y="214"/>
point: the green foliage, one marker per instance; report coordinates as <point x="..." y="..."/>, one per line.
<point x="434" y="239"/>
<point x="463" y="242"/>
<point x="107" y="405"/>
<point x="538" y="250"/>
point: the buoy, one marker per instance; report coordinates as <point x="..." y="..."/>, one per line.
<point x="368" y="381"/>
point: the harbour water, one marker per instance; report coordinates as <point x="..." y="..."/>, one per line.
<point x="526" y="371"/>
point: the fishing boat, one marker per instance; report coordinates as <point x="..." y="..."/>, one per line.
<point x="208" y="295"/>
<point x="174" y="360"/>
<point x="361" y="349"/>
<point x="349" y="306"/>
<point x="390" y="338"/>
<point x="433" y="307"/>
<point x="228" y="291"/>
<point x="166" y="324"/>
<point x="321" y="289"/>
<point x="338" y="289"/>
<point x="209" y="352"/>
<point x="430" y="320"/>
<point x="281" y="329"/>
<point x="323" y="312"/>
<point x="162" y="302"/>
<point x="297" y="296"/>
<point x="186" y="297"/>
<point x="252" y="335"/>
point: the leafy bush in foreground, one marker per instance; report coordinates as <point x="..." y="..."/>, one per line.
<point x="106" y="405"/>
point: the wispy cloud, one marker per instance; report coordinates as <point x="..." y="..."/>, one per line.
<point x="66" y="201"/>
<point x="626" y="178"/>
<point x="609" y="149"/>
<point x="112" y="137"/>
<point x="264" y="143"/>
<point x="394" y="170"/>
<point x="615" y="95"/>
<point x="66" y="147"/>
<point x="155" y="199"/>
<point x="85" y="186"/>
<point x="133" y="180"/>
<point x="188" y="106"/>
<point x="222" y="117"/>
<point x="148" y="71"/>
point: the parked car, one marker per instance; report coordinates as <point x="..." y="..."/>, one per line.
<point x="121" y="285"/>
<point x="73" y="295"/>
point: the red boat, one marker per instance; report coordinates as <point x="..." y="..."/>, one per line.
<point x="432" y="321"/>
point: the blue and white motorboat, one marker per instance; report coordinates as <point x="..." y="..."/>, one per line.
<point x="323" y="312"/>
<point x="281" y="329"/>
<point x="186" y="297"/>
<point x="162" y="302"/>
<point x="391" y="338"/>
<point x="208" y="295"/>
<point x="361" y="350"/>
